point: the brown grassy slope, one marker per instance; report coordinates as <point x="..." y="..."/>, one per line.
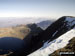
<point x="18" y="31"/>
<point x="69" y="48"/>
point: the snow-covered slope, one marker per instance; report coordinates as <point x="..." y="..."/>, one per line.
<point x="60" y="42"/>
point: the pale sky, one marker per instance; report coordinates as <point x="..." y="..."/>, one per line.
<point x="37" y="8"/>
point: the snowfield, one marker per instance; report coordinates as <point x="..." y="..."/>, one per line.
<point x="60" y="42"/>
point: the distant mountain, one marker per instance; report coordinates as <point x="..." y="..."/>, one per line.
<point x="13" y="21"/>
<point x="45" y="24"/>
<point x="34" y="28"/>
<point x="19" y="31"/>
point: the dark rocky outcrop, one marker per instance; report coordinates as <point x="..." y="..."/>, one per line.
<point x="34" y="29"/>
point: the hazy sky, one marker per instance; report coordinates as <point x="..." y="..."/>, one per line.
<point x="37" y="8"/>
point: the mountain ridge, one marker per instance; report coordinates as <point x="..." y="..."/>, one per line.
<point x="62" y="25"/>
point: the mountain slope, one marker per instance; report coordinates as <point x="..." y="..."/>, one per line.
<point x="57" y="31"/>
<point x="58" y="43"/>
<point x="59" y="27"/>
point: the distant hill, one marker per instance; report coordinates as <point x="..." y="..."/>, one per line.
<point x="45" y="24"/>
<point x="18" y="31"/>
<point x="13" y="21"/>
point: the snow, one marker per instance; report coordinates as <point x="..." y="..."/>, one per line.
<point x="54" y="34"/>
<point x="71" y="21"/>
<point x="58" y="43"/>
